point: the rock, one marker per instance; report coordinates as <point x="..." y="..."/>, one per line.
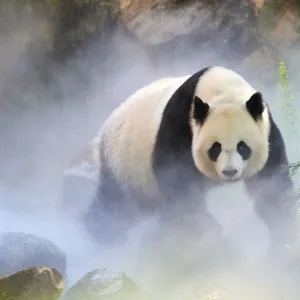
<point x="87" y="155"/>
<point x="82" y="22"/>
<point x="73" y="24"/>
<point x="130" y="9"/>
<point x="102" y="284"/>
<point x="177" y="28"/>
<point x="279" y="25"/>
<point x="80" y="181"/>
<point x="35" y="283"/>
<point x="78" y="190"/>
<point x="21" y="250"/>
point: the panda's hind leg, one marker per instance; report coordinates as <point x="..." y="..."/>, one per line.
<point x="105" y="220"/>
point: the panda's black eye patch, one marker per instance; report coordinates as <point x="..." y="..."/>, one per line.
<point x="244" y="150"/>
<point x="214" y="151"/>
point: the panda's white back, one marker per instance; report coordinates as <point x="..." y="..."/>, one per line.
<point x="130" y="131"/>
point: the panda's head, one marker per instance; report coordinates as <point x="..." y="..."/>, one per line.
<point x="230" y="138"/>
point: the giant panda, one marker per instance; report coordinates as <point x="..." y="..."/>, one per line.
<point x="163" y="149"/>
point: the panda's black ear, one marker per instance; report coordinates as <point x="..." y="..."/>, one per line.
<point x="255" y="106"/>
<point x="200" y="110"/>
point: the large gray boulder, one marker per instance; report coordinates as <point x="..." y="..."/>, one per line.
<point x="21" y="250"/>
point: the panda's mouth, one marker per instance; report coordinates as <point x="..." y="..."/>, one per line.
<point x="231" y="179"/>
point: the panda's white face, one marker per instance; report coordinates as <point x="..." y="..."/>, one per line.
<point x="230" y="144"/>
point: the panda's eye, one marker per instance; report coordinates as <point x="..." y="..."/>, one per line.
<point x="214" y="151"/>
<point x="244" y="150"/>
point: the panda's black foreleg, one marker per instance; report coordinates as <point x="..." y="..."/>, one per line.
<point x="183" y="191"/>
<point x="273" y="192"/>
<point x="275" y="203"/>
<point x="184" y="206"/>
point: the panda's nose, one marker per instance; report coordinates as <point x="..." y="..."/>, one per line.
<point x="230" y="173"/>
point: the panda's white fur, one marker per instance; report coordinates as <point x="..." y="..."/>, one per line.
<point x="175" y="139"/>
<point x="129" y="133"/>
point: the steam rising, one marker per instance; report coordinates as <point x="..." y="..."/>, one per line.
<point x="66" y="110"/>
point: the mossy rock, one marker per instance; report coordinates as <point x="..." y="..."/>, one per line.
<point x="102" y="284"/>
<point x="35" y="283"/>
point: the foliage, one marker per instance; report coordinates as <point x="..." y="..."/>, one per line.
<point x="290" y="113"/>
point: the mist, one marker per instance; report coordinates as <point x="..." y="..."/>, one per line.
<point x="67" y="109"/>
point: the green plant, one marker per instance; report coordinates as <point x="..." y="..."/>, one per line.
<point x="287" y="94"/>
<point x="291" y="117"/>
<point x="289" y="111"/>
